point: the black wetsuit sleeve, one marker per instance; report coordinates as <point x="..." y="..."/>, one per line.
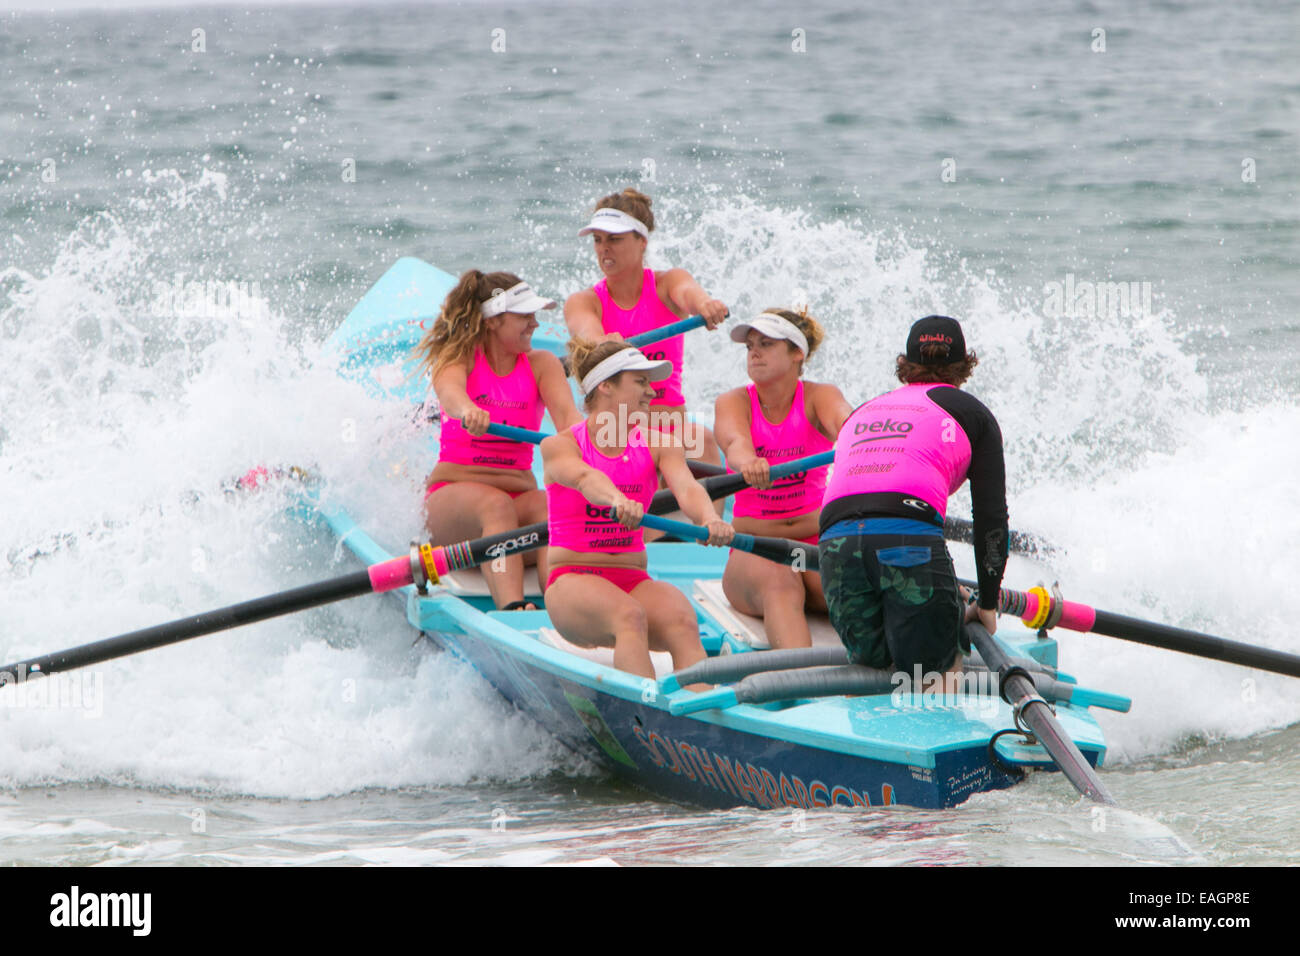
<point x="988" y="486"/>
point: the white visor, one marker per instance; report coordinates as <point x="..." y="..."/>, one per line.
<point x="625" y="360"/>
<point x="614" y="220"/>
<point x="774" y="327"/>
<point x="519" y="298"/>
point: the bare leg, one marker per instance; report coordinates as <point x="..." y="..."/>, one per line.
<point x="671" y="621"/>
<point x="591" y="612"/>
<point x="777" y="594"/>
<point x="471" y="509"/>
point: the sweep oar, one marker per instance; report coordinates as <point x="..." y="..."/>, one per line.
<point x="1017" y="689"/>
<point x="1039" y="609"/>
<point x="423" y="565"/>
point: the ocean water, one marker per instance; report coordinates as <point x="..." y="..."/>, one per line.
<point x="878" y="162"/>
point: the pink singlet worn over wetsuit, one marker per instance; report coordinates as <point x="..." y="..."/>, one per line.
<point x="793" y="437"/>
<point x="577" y="524"/>
<point x="901" y="442"/>
<point x="510" y="400"/>
<point x="648" y="313"/>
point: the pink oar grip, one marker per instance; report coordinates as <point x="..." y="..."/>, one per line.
<point x="387" y="575"/>
<point x="1077" y="617"/>
<point x="440" y="562"/>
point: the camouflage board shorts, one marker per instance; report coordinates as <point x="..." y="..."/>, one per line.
<point x="893" y="599"/>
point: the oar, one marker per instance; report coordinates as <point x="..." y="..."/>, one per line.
<point x="1022" y="542"/>
<point x="667" y="331"/>
<point x="654" y="335"/>
<point x="700" y="469"/>
<point x="425" y="563"/>
<point x="1039" y="609"/>
<point x="1017" y="689"/>
<point x="780" y="550"/>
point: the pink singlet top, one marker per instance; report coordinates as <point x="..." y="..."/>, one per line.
<point x="577" y="524"/>
<point x="510" y="400"/>
<point x="901" y="442"/>
<point x="648" y="313"/>
<point x="795" y="437"/>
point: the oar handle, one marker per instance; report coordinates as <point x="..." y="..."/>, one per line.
<point x="799" y="554"/>
<point x="801" y="464"/>
<point x="518" y="434"/>
<point x="666" y="331"/>
<point x="684" y="530"/>
<point x="724" y="485"/>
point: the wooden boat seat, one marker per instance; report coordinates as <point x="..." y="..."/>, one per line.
<point x="469" y="583"/>
<point x="662" y="661"/>
<point x="750" y="630"/>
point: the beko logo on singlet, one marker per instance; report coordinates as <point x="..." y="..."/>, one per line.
<point x="881" y="430"/>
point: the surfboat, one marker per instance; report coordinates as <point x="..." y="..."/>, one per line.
<point x="889" y="747"/>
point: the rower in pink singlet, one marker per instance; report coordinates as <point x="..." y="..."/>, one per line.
<point x="899" y="454"/>
<point x="512" y="399"/>
<point x="579" y="526"/>
<point x="793" y="437"/>
<point x="777" y="343"/>
<point x="601" y="477"/>
<point x="648" y="314"/>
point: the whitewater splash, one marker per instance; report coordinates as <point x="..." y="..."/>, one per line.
<point x="122" y="422"/>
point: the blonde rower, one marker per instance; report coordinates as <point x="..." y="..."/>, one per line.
<point x="480" y="359"/>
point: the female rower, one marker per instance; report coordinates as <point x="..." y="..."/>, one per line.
<point x="480" y="358"/>
<point x="776" y="418"/>
<point x="598" y="593"/>
<point x="888" y="577"/>
<point x="631" y="299"/>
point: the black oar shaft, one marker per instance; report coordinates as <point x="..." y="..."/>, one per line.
<point x="248" y="612"/>
<point x="461" y="555"/>
<point x="963" y="529"/>
<point x="1194" y="642"/>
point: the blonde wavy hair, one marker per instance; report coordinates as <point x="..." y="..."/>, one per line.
<point x="460" y="327"/>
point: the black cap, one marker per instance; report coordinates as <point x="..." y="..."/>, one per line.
<point x="936" y="330"/>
